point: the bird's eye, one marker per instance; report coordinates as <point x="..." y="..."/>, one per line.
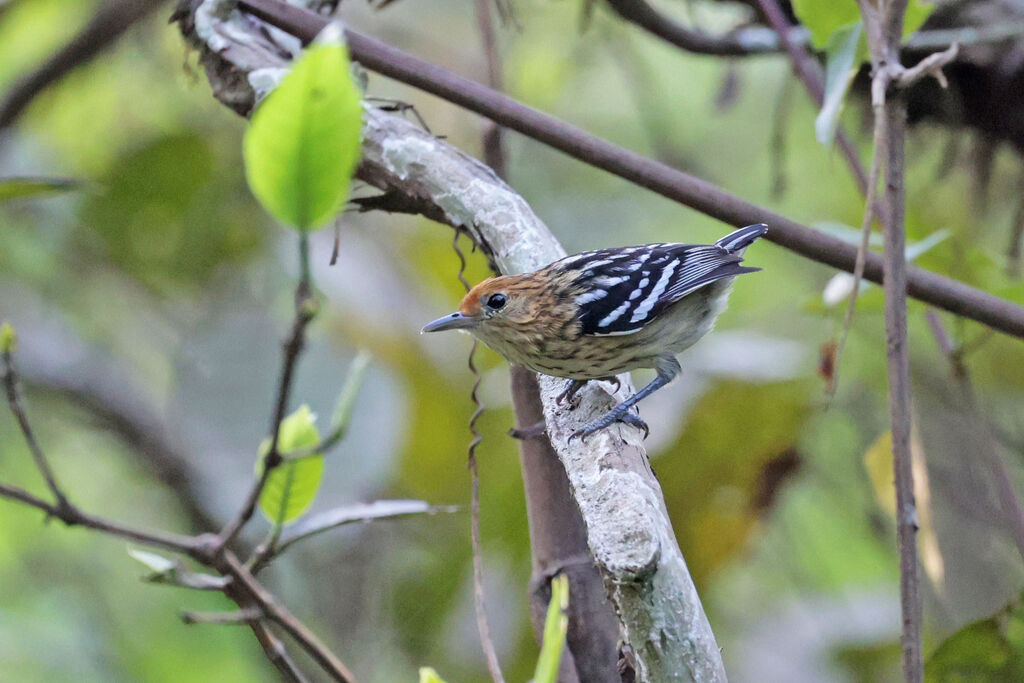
<point x="496" y="301"/>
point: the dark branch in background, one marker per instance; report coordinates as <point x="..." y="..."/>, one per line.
<point x="940" y="291"/>
<point x="109" y="23"/>
<point x="1012" y="517"/>
<point x="558" y="540"/>
<point x="738" y="43"/>
<point x="127" y="417"/>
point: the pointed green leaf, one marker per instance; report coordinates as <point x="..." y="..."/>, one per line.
<point x="303" y="143"/>
<point x="824" y="17"/>
<point x="556" y="625"/>
<point x="917" y="13"/>
<point x="428" y="675"/>
<point x="840" y="68"/>
<point x="292" y="486"/>
<point x="8" y="338"/>
<point x="16" y="188"/>
<point x="988" y="650"/>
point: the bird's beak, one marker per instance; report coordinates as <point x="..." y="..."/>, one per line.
<point x="452" y="321"/>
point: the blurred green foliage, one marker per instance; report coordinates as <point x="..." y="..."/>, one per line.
<point x="161" y="277"/>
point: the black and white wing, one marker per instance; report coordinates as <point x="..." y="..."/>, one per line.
<point x="624" y="289"/>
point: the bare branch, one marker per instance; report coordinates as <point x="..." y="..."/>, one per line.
<point x="10" y="382"/>
<point x="931" y="65"/>
<point x="242" y="617"/>
<point x="305" y="311"/>
<point x="314" y="525"/>
<point x="72" y="516"/>
<point x="924" y="285"/>
<point x="245" y="581"/>
<point x="109" y="24"/>
<point x="738" y="43"/>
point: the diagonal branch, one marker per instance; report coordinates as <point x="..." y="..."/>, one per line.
<point x="940" y="291"/>
<point x="109" y="24"/>
<point x="738" y="43"/>
<point x="9" y="378"/>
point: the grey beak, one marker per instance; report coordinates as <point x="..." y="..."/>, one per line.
<point x="452" y="321"/>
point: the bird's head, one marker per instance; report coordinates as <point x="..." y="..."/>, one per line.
<point x="494" y="302"/>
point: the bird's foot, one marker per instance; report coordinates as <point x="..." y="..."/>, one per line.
<point x="620" y="413"/>
<point x="571" y="387"/>
<point x="613" y="380"/>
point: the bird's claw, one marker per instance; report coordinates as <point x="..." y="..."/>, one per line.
<point x="573" y="386"/>
<point x="627" y="417"/>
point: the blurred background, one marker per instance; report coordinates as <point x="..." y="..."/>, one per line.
<point x="150" y="305"/>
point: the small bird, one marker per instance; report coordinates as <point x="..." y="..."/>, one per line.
<point x="600" y="313"/>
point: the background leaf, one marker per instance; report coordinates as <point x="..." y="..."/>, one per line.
<point x="987" y="650"/>
<point x="841" y="57"/>
<point x="303" y="143"/>
<point x="824" y="17"/>
<point x="16" y="188"/>
<point x="291" y="487"/>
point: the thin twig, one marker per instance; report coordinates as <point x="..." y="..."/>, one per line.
<point x="490" y="654"/>
<point x="870" y="200"/>
<point x="738" y="43"/>
<point x="10" y="382"/>
<point x="1015" y="251"/>
<point x="308" y="640"/>
<point x="72" y="516"/>
<point x="898" y="354"/>
<point x="938" y="290"/>
<point x="884" y="29"/>
<point x="242" y="617"/>
<point x="304" y="312"/>
<point x="339" y="517"/>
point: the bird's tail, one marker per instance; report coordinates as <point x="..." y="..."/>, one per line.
<point x="740" y="239"/>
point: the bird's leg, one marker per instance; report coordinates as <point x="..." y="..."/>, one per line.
<point x="667" y="368"/>
<point x="571" y="387"/>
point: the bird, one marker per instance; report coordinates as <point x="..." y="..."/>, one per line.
<point x="597" y="314"/>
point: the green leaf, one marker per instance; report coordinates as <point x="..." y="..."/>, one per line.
<point x="428" y="675"/>
<point x="8" y="338"/>
<point x="303" y="143"/>
<point x="350" y="392"/>
<point x="917" y="13"/>
<point x="987" y="650"/>
<point x="840" y="68"/>
<point x="824" y="17"/>
<point x="556" y="625"/>
<point x="16" y="188"/>
<point x="292" y="486"/>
